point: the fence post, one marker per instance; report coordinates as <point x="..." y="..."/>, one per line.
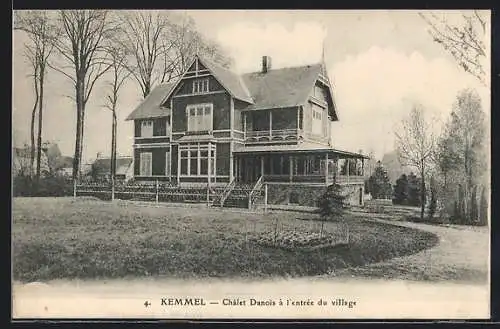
<point x="250" y="200"/>
<point x="265" y="198"/>
<point x="74" y="188"/>
<point x="156" y="191"/>
<point x="208" y="195"/>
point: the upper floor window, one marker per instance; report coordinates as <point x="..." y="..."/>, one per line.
<point x="147" y="128"/>
<point x="200" y="86"/>
<point x="199" y="117"/>
<point x="317" y="121"/>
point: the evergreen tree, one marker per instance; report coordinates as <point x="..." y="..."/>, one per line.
<point x="379" y="183"/>
<point x="332" y="203"/>
<point x="401" y="190"/>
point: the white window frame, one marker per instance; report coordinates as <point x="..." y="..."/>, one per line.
<point x="193" y="121"/>
<point x="143" y="171"/>
<point x="211" y="160"/>
<point x="147" y="128"/>
<point x="201" y="86"/>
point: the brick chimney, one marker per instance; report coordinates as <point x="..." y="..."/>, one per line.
<point x="266" y="64"/>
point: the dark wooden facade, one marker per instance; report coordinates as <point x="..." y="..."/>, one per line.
<point x="212" y="133"/>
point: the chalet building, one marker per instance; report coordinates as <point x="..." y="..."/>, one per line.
<point x="213" y="126"/>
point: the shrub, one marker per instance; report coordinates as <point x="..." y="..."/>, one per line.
<point x="332" y="203"/>
<point x="46" y="186"/>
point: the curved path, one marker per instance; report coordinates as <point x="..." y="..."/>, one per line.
<point x="462" y="255"/>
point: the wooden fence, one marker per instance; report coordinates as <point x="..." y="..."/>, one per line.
<point x="159" y="192"/>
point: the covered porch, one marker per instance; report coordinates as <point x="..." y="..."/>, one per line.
<point x="319" y="166"/>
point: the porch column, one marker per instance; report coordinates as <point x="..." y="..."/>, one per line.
<point x="290" y="161"/>
<point x="231" y="160"/>
<point x="178" y="164"/>
<point x="326" y="169"/>
<point x="348" y="168"/>
<point x="262" y="165"/>
<point x="270" y="122"/>
<point x="244" y="125"/>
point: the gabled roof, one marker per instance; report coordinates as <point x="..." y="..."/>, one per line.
<point x="104" y="164"/>
<point x="151" y="107"/>
<point x="286" y="87"/>
<point x="231" y="81"/>
<point x="278" y="88"/>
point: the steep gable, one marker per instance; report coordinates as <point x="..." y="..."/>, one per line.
<point x="229" y="80"/>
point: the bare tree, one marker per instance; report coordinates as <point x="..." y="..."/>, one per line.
<point x="119" y="74"/>
<point x="160" y="46"/>
<point x="188" y="42"/>
<point x="415" y="146"/>
<point x="42" y="34"/>
<point x="465" y="39"/>
<point x="146" y="40"/>
<point x="81" y="47"/>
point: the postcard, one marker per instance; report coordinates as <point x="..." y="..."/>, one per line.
<point x="251" y="164"/>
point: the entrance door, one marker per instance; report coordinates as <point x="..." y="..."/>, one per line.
<point x="250" y="170"/>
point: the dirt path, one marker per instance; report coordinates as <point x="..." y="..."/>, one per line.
<point x="462" y="255"/>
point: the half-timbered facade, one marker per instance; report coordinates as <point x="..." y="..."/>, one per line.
<point x="217" y="127"/>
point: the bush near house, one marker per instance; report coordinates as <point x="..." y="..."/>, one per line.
<point x="332" y="203"/>
<point x="51" y="185"/>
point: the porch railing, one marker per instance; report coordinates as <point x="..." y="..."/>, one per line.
<point x="270" y="134"/>
<point x="256" y="187"/>
<point x="227" y="190"/>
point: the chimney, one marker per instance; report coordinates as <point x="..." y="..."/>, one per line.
<point x="99" y="155"/>
<point x="266" y="64"/>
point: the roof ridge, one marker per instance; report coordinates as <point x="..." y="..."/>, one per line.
<point x="285" y="68"/>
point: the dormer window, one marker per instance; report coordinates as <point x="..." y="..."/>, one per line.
<point x="200" y="86"/>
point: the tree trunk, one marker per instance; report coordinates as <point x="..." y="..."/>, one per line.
<point x="32" y="131"/>
<point x="40" y="125"/>
<point x="78" y="136"/>
<point x="422" y="193"/>
<point x="113" y="154"/>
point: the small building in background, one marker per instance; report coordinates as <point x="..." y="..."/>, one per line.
<point x="101" y="168"/>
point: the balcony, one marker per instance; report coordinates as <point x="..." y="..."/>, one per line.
<point x="265" y="136"/>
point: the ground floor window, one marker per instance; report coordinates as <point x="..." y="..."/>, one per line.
<point x="309" y="165"/>
<point x="146" y="162"/>
<point x="197" y="160"/>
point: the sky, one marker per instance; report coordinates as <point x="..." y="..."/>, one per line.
<point x="379" y="62"/>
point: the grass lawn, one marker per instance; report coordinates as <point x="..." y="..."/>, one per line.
<point x="56" y="238"/>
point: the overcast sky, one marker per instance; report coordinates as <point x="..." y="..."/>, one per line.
<point x="380" y="63"/>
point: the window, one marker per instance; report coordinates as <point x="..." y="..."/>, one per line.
<point x="317" y="121"/>
<point x="146" y="163"/>
<point x="147" y="128"/>
<point x="161" y="127"/>
<point x="200" y="86"/>
<point x="199" y="117"/>
<point x="195" y="161"/>
<point x="310" y="165"/>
